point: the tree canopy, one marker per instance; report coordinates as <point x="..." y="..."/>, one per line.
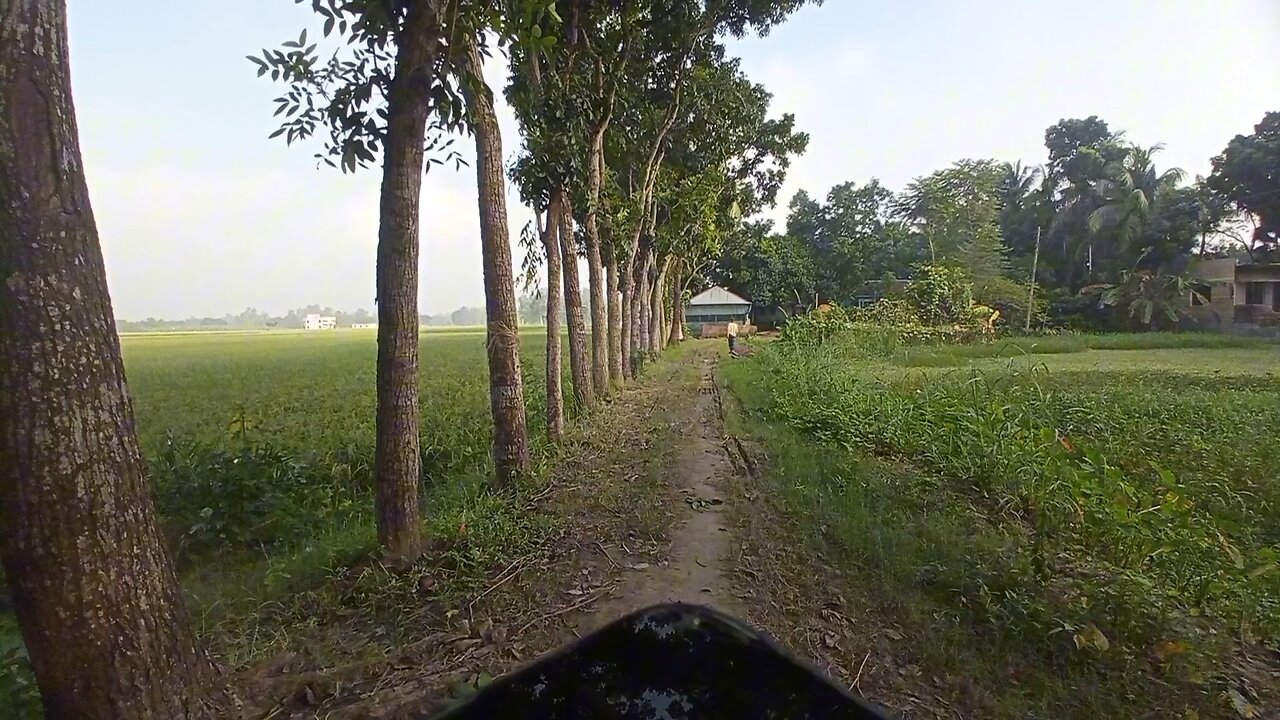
<point x="1247" y="173"/>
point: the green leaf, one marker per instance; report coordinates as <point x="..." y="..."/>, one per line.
<point x="277" y="133"/>
<point x="328" y="26"/>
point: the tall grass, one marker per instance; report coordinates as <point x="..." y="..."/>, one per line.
<point x="1012" y="347"/>
<point x="259" y="447"/>
<point x="1088" y="520"/>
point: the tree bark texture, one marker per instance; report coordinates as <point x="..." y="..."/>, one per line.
<point x="658" y="321"/>
<point x="676" y="334"/>
<point x="506" y="384"/>
<point x="595" y="267"/>
<point x="579" y="364"/>
<point x="626" y="310"/>
<point x="615" y="319"/>
<point x="397" y="463"/>
<point x="646" y="293"/>
<point x="95" y="593"/>
<point x="555" y="298"/>
<point x="634" y="321"/>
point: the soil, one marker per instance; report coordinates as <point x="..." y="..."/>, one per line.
<point x="693" y="566"/>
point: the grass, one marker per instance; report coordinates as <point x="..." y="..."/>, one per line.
<point x="311" y="393"/>
<point x="1089" y="529"/>
<point x="260" y="449"/>
<point x="1066" y="344"/>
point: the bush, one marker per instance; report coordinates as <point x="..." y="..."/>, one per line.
<point x="18" y="691"/>
<point x="936" y="307"/>
<point x="940" y="294"/>
<point x="1010" y="298"/>
<point x="256" y="496"/>
<point x="1134" y="521"/>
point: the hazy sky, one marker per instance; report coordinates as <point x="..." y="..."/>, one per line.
<point x="201" y="215"/>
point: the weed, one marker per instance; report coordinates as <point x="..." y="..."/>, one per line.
<point x="259" y="448"/>
<point x="1083" y="520"/>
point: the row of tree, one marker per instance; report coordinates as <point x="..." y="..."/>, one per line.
<point x="643" y="146"/>
<point x="1097" y="212"/>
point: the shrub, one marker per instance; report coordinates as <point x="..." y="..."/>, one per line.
<point x="936" y="307"/>
<point x="255" y="496"/>
<point x="940" y="294"/>
<point x="1141" y="520"/>
<point x="1010" y="298"/>
<point x="18" y="691"/>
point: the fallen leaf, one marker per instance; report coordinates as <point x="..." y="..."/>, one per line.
<point x="1243" y="707"/>
<point x="1091" y="636"/>
<point x="1167" y="649"/>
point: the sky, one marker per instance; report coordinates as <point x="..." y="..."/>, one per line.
<point x="200" y="214"/>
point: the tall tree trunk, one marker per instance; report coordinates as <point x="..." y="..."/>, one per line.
<point x="626" y="310"/>
<point x="675" y="333"/>
<point x="579" y="365"/>
<point x="646" y="285"/>
<point x="636" y="336"/>
<point x="615" y="318"/>
<point x="96" y="596"/>
<point x="655" y="305"/>
<point x="555" y="394"/>
<point x="630" y="304"/>
<point x="397" y="463"/>
<point x="506" y="383"/>
<point x="595" y="267"/>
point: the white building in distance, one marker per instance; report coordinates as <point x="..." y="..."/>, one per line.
<point x="364" y="326"/>
<point x="316" y="321"/>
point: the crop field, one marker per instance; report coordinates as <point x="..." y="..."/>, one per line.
<point x="311" y="394"/>
<point x="253" y="438"/>
<point x="1084" y="526"/>
<point x="259" y="447"/>
<point x="260" y="451"/>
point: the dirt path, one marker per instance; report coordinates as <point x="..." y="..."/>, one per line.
<point x="694" y="567"/>
<point x="640" y="502"/>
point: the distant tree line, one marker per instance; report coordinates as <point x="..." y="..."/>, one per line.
<point x="532" y="311"/>
<point x="1099" y="214"/>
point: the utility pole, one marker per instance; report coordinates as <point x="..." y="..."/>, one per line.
<point x="1031" y="294"/>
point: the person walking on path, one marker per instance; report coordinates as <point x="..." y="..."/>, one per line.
<point x="732" y="331"/>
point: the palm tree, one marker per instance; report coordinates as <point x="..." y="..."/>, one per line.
<point x="1018" y="183"/>
<point x="1130" y="193"/>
